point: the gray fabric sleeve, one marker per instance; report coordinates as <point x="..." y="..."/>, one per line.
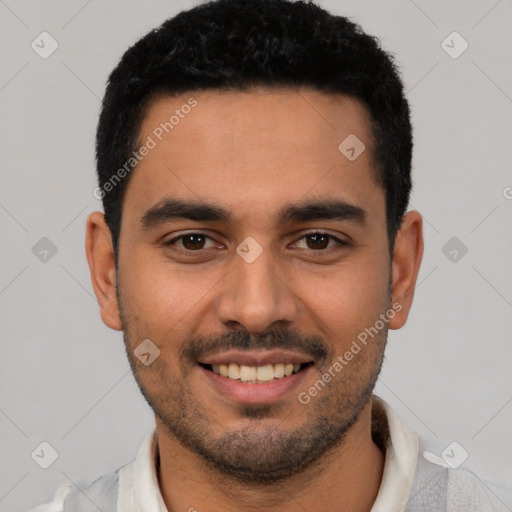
<point x="101" y="495"/>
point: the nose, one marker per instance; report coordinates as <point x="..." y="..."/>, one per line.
<point x="255" y="296"/>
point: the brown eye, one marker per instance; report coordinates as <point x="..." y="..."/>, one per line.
<point x="193" y="242"/>
<point x="317" y="241"/>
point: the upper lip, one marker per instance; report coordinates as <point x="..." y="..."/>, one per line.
<point x="256" y="358"/>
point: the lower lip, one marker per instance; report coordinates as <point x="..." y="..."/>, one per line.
<point x="264" y="393"/>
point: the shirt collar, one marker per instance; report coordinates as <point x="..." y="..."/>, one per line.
<point x="402" y="448"/>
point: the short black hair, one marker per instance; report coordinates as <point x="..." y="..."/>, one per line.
<point x="241" y="44"/>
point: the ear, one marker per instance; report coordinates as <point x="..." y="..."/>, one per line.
<point x="407" y="255"/>
<point x="100" y="256"/>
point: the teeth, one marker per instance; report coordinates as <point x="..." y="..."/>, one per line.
<point x="247" y="373"/>
<point x="255" y="374"/>
<point x="279" y="370"/>
<point x="265" y="373"/>
<point x="234" y="371"/>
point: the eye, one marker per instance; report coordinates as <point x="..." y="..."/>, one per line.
<point x="191" y="241"/>
<point x="196" y="242"/>
<point x="319" y="241"/>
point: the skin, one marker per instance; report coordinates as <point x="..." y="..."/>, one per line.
<point x="252" y="153"/>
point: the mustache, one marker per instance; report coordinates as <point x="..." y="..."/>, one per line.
<point x="275" y="338"/>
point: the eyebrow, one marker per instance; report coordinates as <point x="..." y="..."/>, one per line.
<point x="169" y="209"/>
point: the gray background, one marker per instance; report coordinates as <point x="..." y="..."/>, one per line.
<point x="64" y="375"/>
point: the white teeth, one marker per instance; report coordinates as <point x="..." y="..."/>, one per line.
<point x="279" y="371"/>
<point x="247" y="373"/>
<point x="234" y="371"/>
<point x="265" y="373"/>
<point x="253" y="374"/>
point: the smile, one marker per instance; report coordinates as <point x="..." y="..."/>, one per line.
<point x="256" y="374"/>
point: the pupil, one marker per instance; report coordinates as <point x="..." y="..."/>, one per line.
<point x="197" y="241"/>
<point x="319" y="241"/>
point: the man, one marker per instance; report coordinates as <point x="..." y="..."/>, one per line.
<point x="254" y="163"/>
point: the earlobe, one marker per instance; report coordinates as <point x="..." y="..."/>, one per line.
<point x="407" y="255"/>
<point x="100" y="256"/>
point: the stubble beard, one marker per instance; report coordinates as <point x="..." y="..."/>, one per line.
<point x="258" y="455"/>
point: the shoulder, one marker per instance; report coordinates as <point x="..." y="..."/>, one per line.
<point x="465" y="489"/>
<point x="439" y="487"/>
<point x="57" y="504"/>
<point x="101" y="494"/>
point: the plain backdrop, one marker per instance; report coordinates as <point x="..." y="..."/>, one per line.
<point x="65" y="379"/>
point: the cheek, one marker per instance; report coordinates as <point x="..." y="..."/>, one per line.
<point x="348" y="296"/>
<point x="163" y="301"/>
<point x="155" y="289"/>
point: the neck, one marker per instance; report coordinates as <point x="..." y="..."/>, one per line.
<point x="346" y="479"/>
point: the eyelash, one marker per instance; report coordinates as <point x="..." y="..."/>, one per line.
<point x="173" y="241"/>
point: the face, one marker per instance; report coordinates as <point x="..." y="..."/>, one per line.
<point x="251" y="243"/>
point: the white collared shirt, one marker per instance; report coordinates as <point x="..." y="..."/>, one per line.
<point x="411" y="481"/>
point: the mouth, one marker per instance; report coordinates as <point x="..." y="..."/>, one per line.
<point x="255" y="377"/>
<point x="256" y="374"/>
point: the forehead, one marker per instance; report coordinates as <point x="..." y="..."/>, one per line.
<point x="256" y="148"/>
